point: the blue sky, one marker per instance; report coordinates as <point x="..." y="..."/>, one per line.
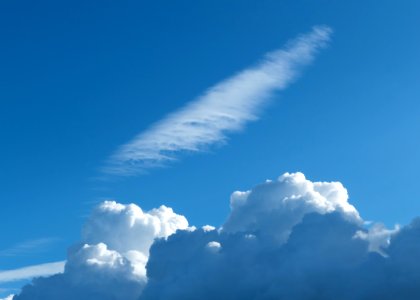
<point x="78" y="80"/>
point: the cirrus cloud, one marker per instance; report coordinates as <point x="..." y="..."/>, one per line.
<point x="222" y="109"/>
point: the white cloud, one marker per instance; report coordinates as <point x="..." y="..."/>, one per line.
<point x="222" y="109"/>
<point x="32" y="271"/>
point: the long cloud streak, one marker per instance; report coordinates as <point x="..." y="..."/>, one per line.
<point x="222" y="109"/>
<point x="32" y="271"/>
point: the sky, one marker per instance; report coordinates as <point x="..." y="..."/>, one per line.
<point x="84" y="83"/>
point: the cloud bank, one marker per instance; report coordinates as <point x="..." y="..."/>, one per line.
<point x="289" y="238"/>
<point x="222" y="109"/>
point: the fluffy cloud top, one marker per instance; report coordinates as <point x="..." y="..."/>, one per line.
<point x="109" y="262"/>
<point x="274" y="207"/>
<point x="120" y="226"/>
<point x="285" y="239"/>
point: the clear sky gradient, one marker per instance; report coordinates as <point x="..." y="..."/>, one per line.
<point x="78" y="79"/>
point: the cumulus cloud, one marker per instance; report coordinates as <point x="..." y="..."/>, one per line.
<point x="119" y="226"/>
<point x="276" y="206"/>
<point x="109" y="262"/>
<point x="276" y="237"/>
<point x="289" y="238"/>
<point x="222" y="109"/>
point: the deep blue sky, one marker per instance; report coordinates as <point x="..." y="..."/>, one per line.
<point x="80" y="78"/>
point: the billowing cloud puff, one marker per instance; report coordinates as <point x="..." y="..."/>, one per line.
<point x="109" y="262"/>
<point x="285" y="239"/>
<point x="274" y="207"/>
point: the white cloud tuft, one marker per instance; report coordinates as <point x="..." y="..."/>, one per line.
<point x="214" y="246"/>
<point x="378" y="237"/>
<point x="208" y="228"/>
<point x="222" y="109"/>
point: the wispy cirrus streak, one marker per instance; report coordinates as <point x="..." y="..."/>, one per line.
<point x="222" y="109"/>
<point x="32" y="271"/>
